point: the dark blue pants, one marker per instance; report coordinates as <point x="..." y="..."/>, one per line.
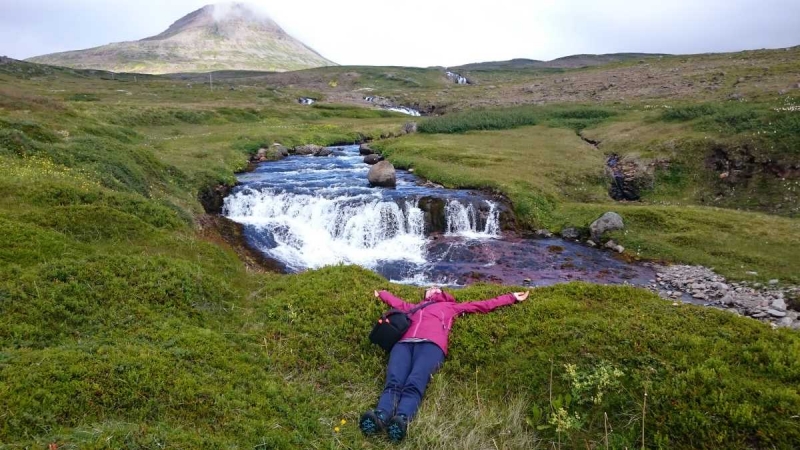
<point x="410" y="368"/>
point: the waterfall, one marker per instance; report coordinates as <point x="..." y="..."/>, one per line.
<point x="404" y="110"/>
<point x="463" y="220"/>
<point x="311" y="231"/>
<point x="456" y="78"/>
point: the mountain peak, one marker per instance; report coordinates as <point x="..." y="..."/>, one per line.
<point x="223" y="36"/>
<point x="223" y="17"/>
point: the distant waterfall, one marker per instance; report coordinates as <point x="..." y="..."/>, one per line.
<point x="310" y="231"/>
<point x="456" y="78"/>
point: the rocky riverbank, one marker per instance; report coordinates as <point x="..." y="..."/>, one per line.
<point x="771" y="303"/>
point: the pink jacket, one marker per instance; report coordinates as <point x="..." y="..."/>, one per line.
<point x="435" y="321"/>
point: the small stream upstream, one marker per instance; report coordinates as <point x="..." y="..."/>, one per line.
<point x="307" y="212"/>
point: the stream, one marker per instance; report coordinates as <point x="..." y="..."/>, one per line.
<point x="307" y="212"/>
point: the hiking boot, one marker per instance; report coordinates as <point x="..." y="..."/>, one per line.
<point x="372" y="422"/>
<point x="397" y="428"/>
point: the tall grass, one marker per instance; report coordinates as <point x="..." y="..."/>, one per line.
<point x="498" y="119"/>
<point x="505" y="118"/>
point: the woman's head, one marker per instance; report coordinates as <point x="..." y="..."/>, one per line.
<point x="431" y="291"/>
<point x="436" y="294"/>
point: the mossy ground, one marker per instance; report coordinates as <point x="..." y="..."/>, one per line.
<point x="122" y="326"/>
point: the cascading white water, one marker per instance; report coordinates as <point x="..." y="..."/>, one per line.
<point x="311" y="231"/>
<point x="462" y="220"/>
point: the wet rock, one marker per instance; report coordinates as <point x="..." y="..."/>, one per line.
<point x="323" y="152"/>
<point x="591" y="243"/>
<point x="570" y="233"/>
<point x="308" y="149"/>
<point x="434" y="215"/>
<point x="382" y="174"/>
<point x="373" y="159"/>
<point x="629" y="177"/>
<point x="213" y="197"/>
<point x="365" y="149"/>
<point x="609" y="221"/>
<point x="543" y="233"/>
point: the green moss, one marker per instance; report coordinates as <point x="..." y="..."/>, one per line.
<point x="123" y="326"/>
<point x="180" y="373"/>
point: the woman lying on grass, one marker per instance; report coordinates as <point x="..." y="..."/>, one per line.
<point x="418" y="355"/>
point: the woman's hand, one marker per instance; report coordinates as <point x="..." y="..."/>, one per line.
<point x="377" y="294"/>
<point x="520" y="296"/>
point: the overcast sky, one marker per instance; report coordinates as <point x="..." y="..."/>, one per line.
<point x="429" y="32"/>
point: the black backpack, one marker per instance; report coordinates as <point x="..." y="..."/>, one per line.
<point x="392" y="325"/>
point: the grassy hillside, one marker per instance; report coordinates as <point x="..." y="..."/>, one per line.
<point x="555" y="179"/>
<point x="126" y="320"/>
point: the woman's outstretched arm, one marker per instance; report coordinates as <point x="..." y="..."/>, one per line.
<point x="486" y="306"/>
<point x="394" y="302"/>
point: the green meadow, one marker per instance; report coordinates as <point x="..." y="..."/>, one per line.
<point x="126" y="322"/>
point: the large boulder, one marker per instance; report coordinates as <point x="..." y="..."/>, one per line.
<point x="308" y="149"/>
<point x="609" y="221"/>
<point x="323" y="152"/>
<point x="365" y="149"/>
<point x="373" y="159"/>
<point x="382" y="174"/>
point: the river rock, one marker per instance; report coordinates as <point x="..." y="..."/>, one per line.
<point x="365" y="149"/>
<point x="382" y="174"/>
<point x="776" y="313"/>
<point x="609" y="221"/>
<point x="308" y="149"/>
<point x="611" y="245"/>
<point x="570" y="233"/>
<point x="267" y="154"/>
<point x="410" y="128"/>
<point x="373" y="159"/>
<point x="434" y="214"/>
<point x="323" y="152"/>
<point x="281" y="149"/>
